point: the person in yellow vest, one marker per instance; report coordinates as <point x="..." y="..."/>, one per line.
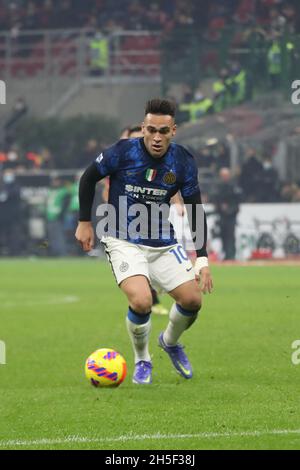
<point x="238" y="84"/>
<point x="199" y="107"/>
<point x="221" y="91"/>
<point x="99" y="54"/>
<point x="274" y="64"/>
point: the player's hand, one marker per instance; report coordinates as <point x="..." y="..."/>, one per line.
<point x="206" y="282"/>
<point x="180" y="208"/>
<point x="85" y="235"/>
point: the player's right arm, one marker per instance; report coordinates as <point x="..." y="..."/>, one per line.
<point x="85" y="232"/>
<point x="105" y="165"/>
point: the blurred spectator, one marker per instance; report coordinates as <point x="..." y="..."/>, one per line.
<point x="92" y="149"/>
<point x="222" y="156"/>
<point x="227" y="202"/>
<point x="71" y="215"/>
<point x="13" y="159"/>
<point x="210" y="16"/>
<point x="274" y="64"/>
<point x="19" y="110"/>
<point x="296" y="195"/>
<point x="57" y="204"/>
<point x="10" y="214"/>
<point x="31" y="17"/>
<point x="277" y="22"/>
<point x="156" y="18"/>
<point x="237" y="83"/>
<point x="47" y="161"/>
<point x="269" y="187"/>
<point x="199" y="106"/>
<point x="289" y="13"/>
<point x="221" y="90"/>
<point x="99" y="52"/>
<point x="207" y="158"/>
<point x="42" y="160"/>
<point x="245" y="12"/>
<point x="289" y="193"/>
<point x="250" y="177"/>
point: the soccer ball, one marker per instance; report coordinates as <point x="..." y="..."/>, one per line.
<point x="105" y="368"/>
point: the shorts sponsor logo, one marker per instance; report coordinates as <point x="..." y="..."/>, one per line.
<point x="124" y="267"/>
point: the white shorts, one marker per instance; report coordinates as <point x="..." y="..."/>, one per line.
<point x="166" y="268"/>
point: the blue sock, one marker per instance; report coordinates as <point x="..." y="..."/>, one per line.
<point x="138" y="318"/>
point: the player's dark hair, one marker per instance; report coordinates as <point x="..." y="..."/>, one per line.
<point x="159" y="106"/>
<point x="136" y="128"/>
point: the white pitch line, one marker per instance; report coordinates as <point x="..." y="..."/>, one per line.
<point x="145" y="437"/>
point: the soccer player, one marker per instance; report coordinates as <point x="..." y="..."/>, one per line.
<point x="150" y="170"/>
<point x="133" y="133"/>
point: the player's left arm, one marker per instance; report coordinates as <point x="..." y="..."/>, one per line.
<point x="191" y="195"/>
<point x="198" y="226"/>
<point x="177" y="201"/>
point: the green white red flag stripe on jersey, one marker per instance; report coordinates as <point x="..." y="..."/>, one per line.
<point x="150" y="174"/>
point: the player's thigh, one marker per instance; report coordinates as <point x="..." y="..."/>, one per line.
<point x="188" y="295"/>
<point x="169" y="268"/>
<point x="130" y="268"/>
<point x="126" y="259"/>
<point x="137" y="290"/>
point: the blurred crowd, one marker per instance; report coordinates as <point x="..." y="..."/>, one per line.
<point x="209" y="17"/>
<point x="254" y="179"/>
<point x="43" y="226"/>
<point x="40" y="159"/>
<point x="43" y="223"/>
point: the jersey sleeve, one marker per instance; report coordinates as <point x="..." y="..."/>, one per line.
<point x="108" y="161"/>
<point x="190" y="185"/>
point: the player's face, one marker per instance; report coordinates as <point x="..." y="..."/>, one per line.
<point x="158" y="131"/>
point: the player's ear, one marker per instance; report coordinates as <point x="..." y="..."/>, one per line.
<point x="143" y="128"/>
<point x="174" y="130"/>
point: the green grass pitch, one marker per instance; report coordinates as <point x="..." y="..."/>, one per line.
<point x="244" y="394"/>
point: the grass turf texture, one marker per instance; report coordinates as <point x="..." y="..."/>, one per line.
<point x="240" y="349"/>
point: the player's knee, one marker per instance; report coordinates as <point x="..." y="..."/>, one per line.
<point x="142" y="305"/>
<point x="192" y="304"/>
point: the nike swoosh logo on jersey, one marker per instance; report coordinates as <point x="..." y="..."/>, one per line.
<point x="188" y="270"/>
